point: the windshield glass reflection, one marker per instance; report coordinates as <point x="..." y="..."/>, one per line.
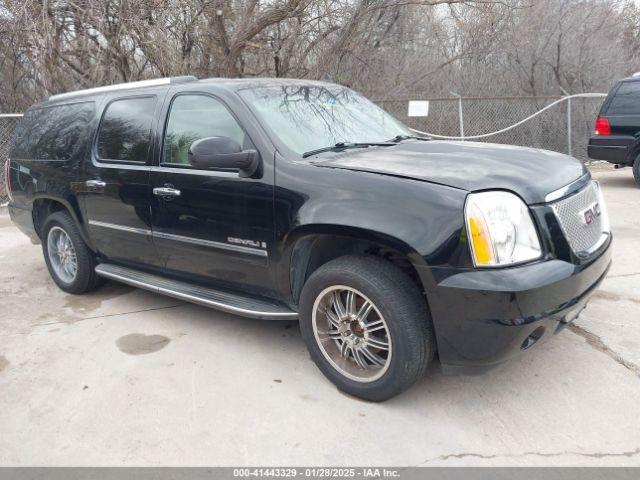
<point x="311" y="117"/>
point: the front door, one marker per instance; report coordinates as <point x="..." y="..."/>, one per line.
<point x="116" y="188"/>
<point x="210" y="226"/>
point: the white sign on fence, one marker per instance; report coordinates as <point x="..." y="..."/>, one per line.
<point x="418" y="108"/>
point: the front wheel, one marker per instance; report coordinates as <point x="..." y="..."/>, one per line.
<point x="636" y="170"/>
<point x="367" y="326"/>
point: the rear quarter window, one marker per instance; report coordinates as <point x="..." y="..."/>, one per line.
<point x="52" y="133"/>
<point x="626" y="100"/>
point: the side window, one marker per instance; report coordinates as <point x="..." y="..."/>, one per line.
<point x="193" y="117"/>
<point x="626" y="100"/>
<point x="53" y="133"/>
<point x="125" y="130"/>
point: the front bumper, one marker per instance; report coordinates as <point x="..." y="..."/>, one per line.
<point x="484" y="317"/>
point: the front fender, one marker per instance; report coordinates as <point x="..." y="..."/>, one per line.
<point x="424" y="221"/>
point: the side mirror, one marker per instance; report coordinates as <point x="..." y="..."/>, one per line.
<point x="223" y="153"/>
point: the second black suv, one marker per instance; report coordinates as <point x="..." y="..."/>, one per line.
<point x="616" y="137"/>
<point x="291" y="199"/>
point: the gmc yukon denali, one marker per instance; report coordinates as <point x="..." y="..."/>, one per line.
<point x="290" y="199"/>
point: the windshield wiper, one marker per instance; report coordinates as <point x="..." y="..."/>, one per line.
<point x="339" y="147"/>
<point x="400" y="138"/>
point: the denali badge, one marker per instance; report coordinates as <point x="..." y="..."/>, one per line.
<point x="590" y="214"/>
<point x="246" y="243"/>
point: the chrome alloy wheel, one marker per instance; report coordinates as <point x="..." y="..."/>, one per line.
<point x="351" y="333"/>
<point x="62" y="255"/>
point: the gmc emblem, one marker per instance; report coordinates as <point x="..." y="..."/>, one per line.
<point x="590" y="214"/>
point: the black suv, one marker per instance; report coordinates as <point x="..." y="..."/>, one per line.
<point x="290" y="199"/>
<point x="616" y="137"/>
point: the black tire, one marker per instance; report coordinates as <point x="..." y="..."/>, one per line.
<point x="85" y="279"/>
<point x="401" y="304"/>
<point x="636" y="170"/>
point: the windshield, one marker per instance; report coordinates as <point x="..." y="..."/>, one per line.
<point x="306" y="118"/>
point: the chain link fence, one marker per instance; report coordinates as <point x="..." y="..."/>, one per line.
<point x="8" y="123"/>
<point x="564" y="128"/>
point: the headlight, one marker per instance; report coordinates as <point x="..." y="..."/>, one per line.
<point x="501" y="230"/>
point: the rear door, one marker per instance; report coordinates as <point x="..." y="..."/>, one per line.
<point x="116" y="182"/>
<point x="218" y="227"/>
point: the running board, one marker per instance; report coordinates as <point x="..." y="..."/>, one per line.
<point x="225" y="301"/>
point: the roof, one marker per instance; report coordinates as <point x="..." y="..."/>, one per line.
<point x="634" y="78"/>
<point x="261" y="82"/>
<point x="232" y="83"/>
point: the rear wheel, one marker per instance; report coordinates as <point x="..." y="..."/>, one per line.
<point x="366" y="326"/>
<point x="636" y="170"/>
<point x="70" y="262"/>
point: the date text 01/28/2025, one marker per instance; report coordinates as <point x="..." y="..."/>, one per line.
<point x="316" y="472"/>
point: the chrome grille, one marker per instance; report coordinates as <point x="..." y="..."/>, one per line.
<point x="570" y="212"/>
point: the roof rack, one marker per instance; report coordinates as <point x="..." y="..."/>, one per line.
<point x="125" y="86"/>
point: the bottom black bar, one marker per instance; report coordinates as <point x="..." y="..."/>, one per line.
<point x="366" y="473"/>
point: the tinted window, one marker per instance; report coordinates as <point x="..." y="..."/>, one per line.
<point x="52" y="133"/>
<point x="193" y="117"/>
<point x="626" y="100"/>
<point x="125" y="130"/>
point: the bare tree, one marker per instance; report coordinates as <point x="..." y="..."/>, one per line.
<point x="381" y="47"/>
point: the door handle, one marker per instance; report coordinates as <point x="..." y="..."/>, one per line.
<point x="95" y="183"/>
<point x="166" y="192"/>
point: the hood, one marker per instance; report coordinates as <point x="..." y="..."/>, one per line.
<point x="531" y="173"/>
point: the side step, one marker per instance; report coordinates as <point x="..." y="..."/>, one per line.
<point x="225" y="301"/>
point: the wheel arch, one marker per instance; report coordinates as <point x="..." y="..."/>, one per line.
<point x="45" y="205"/>
<point x="311" y="246"/>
